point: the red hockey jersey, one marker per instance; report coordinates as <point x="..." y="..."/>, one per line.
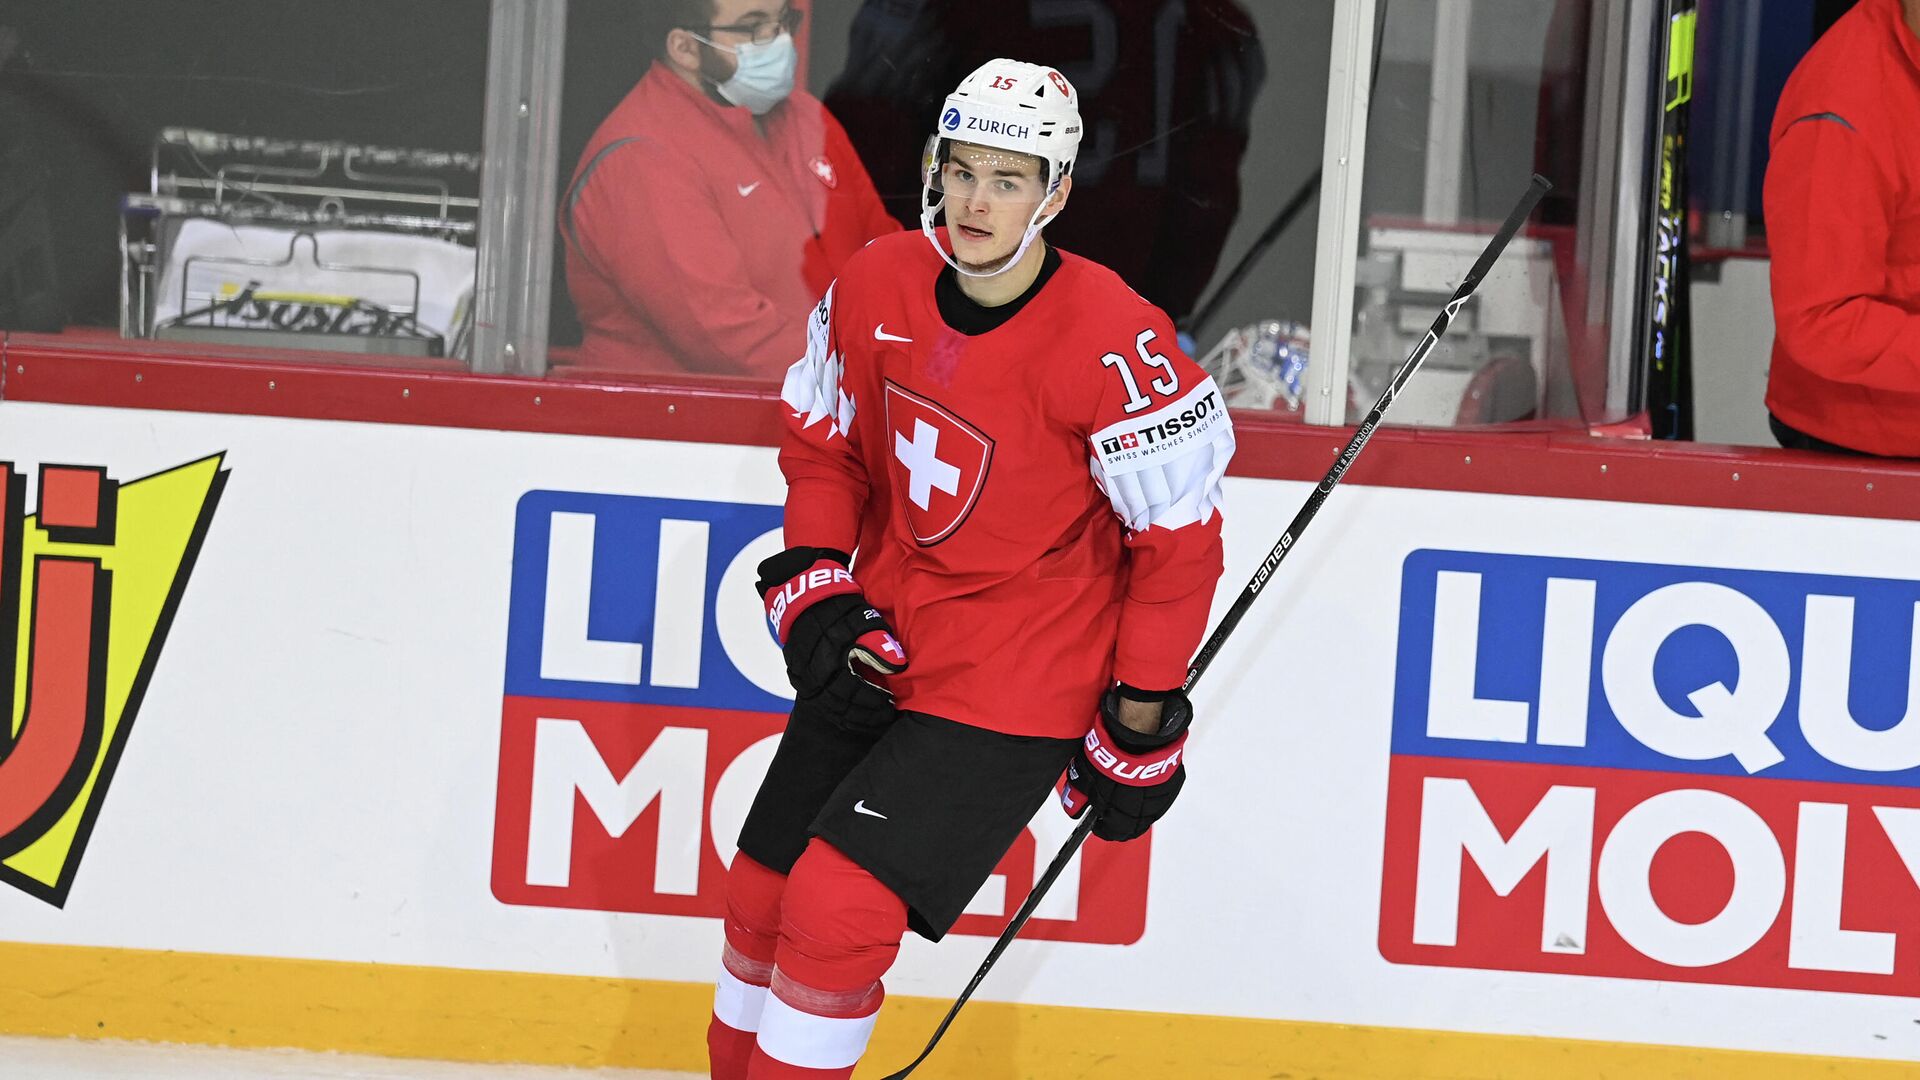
<point x="1035" y="508"/>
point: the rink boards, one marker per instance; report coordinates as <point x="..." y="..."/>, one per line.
<point x="428" y="740"/>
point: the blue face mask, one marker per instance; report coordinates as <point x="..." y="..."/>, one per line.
<point x="764" y="75"/>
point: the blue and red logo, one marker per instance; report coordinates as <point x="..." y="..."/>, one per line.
<point x="1655" y="772"/>
<point x="645" y="695"/>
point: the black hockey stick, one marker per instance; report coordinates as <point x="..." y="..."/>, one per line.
<point x="1232" y="618"/>
<point x="1667" y="299"/>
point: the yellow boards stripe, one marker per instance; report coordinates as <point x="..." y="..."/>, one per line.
<point x="467" y="1015"/>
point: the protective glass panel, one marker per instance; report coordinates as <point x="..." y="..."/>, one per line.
<point x="265" y="177"/>
<point x="1470" y="98"/>
<point x="697" y="239"/>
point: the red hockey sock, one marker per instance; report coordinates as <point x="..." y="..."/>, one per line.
<point x="746" y="966"/>
<point x="840" y="930"/>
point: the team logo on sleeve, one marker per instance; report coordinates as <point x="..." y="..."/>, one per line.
<point x="939" y="464"/>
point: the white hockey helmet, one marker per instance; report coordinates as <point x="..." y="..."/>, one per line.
<point x="1008" y="105"/>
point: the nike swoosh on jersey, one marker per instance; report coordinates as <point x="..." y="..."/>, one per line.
<point x="880" y="334"/>
<point x="746" y="189"/>
<point x="860" y="807"/>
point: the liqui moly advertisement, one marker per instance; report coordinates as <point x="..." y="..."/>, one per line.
<point x="645" y="695"/>
<point x="1655" y="772"/>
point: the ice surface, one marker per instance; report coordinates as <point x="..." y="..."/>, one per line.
<point x="102" y="1059"/>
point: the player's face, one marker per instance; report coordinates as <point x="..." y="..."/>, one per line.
<point x="990" y="197"/>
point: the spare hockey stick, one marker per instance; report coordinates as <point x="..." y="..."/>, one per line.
<point x="1538" y="188"/>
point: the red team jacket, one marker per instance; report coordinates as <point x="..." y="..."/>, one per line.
<point x="695" y="244"/>
<point x="1843" y="220"/>
<point x="1036" y="508"/>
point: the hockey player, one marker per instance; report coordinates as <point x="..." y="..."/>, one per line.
<point x="1029" y="472"/>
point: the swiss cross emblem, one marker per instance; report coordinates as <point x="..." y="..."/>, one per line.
<point x="1129" y="441"/>
<point x="823" y="169"/>
<point x="939" y="463"/>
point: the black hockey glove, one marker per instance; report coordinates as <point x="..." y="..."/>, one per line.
<point x="824" y="624"/>
<point x="1129" y="779"/>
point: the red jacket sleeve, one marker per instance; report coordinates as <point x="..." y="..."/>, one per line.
<point x="1830" y="211"/>
<point x="826" y="478"/>
<point x="1160" y="441"/>
<point x="648" y="223"/>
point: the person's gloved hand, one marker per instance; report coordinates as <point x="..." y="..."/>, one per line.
<point x="1129" y="779"/>
<point x="824" y="623"/>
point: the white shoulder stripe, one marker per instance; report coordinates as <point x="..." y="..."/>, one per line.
<point x="1165" y="468"/>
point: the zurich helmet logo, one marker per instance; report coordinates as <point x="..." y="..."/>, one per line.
<point x="950" y="119"/>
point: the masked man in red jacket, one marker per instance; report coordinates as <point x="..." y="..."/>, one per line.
<point x="715" y="204"/>
<point x="1843" y="220"/>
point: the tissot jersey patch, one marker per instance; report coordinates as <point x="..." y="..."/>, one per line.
<point x="1138" y="442"/>
<point x="940" y="463"/>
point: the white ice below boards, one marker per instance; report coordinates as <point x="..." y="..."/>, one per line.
<point x="101" y="1059"/>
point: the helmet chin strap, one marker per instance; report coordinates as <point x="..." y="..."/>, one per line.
<point x="930" y="207"/>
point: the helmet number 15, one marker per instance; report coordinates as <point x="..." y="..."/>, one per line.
<point x="1168" y="385"/>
